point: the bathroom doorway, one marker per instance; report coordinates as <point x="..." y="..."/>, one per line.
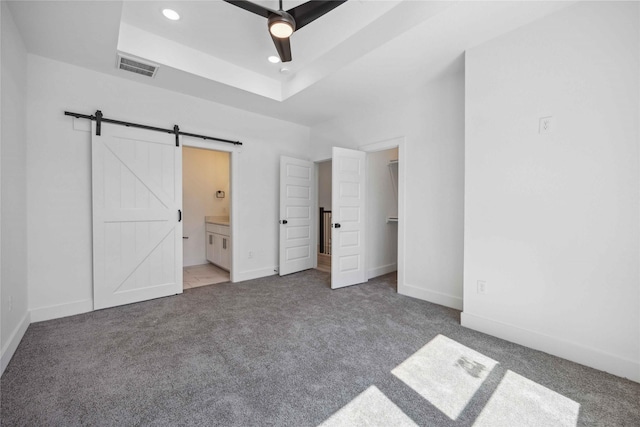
<point x="206" y="201"/>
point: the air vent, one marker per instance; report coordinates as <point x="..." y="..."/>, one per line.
<point x="135" y="66"/>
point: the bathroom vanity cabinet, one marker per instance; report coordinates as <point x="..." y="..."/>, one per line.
<point x="218" y="244"/>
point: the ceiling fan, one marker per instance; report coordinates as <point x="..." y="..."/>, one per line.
<point x="282" y="24"/>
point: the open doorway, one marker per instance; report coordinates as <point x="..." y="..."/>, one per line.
<point x="382" y="211"/>
<point x="206" y="202"/>
<point x="323" y="224"/>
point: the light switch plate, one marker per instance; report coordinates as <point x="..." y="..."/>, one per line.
<point x="482" y="287"/>
<point x="545" y="125"/>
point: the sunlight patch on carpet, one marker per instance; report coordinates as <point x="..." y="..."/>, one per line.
<point x="446" y="373"/>
<point x="370" y="408"/>
<point x="522" y="402"/>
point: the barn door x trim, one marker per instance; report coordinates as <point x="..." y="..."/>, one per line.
<point x="99" y="119"/>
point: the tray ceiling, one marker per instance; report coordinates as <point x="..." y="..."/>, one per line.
<point x="360" y="54"/>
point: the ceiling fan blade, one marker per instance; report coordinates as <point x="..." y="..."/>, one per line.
<point x="312" y="10"/>
<point x="283" y="46"/>
<point x="252" y="7"/>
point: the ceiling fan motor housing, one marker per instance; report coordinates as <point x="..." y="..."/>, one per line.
<point x="281" y="25"/>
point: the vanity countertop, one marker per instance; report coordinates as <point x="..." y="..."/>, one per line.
<point x="220" y="220"/>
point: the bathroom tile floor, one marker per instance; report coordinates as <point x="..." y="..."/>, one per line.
<point x="202" y="275"/>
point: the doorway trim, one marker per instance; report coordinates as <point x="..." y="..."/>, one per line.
<point x="233" y="178"/>
<point x="399" y="143"/>
<point x="316" y="206"/>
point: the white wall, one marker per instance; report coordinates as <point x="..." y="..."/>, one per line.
<point x="432" y="123"/>
<point x="551" y="221"/>
<point x="324" y="184"/>
<point x="203" y="173"/>
<point x="59" y="185"/>
<point x="382" y="236"/>
<point x="13" y="274"/>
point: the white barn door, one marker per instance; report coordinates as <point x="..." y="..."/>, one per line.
<point x="137" y="228"/>
<point x="296" y="215"/>
<point x="348" y="212"/>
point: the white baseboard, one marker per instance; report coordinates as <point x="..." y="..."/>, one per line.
<point x="12" y="343"/>
<point x="203" y="261"/>
<point x="62" y="310"/>
<point x="558" y="347"/>
<point x="431" y="296"/>
<point x="253" y="274"/>
<point x="379" y="271"/>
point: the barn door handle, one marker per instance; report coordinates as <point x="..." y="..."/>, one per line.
<point x="179" y="215"/>
<point x="284" y="221"/>
<point x="336" y="225"/>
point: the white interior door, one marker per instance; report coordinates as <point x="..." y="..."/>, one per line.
<point x="137" y="228"/>
<point x="348" y="212"/>
<point x="296" y="215"/>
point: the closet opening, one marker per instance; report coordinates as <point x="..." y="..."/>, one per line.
<point x="382" y="213"/>
<point x="206" y="201"/>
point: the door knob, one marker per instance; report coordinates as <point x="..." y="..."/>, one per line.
<point x="284" y="221"/>
<point x="336" y="225"/>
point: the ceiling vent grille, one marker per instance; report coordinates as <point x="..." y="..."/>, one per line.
<point x="135" y="66"/>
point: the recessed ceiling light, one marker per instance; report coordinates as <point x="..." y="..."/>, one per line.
<point x="171" y="14"/>
<point x="273" y="59"/>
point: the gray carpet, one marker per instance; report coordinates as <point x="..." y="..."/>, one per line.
<point x="275" y="352"/>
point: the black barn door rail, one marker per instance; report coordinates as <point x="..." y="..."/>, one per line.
<point x="99" y="119"/>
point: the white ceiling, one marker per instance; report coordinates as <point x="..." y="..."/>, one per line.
<point x="361" y="54"/>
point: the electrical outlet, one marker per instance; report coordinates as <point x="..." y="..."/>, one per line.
<point x="545" y="125"/>
<point x="250" y="254"/>
<point x="482" y="287"/>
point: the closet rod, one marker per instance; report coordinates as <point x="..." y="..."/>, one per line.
<point x="99" y="119"/>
